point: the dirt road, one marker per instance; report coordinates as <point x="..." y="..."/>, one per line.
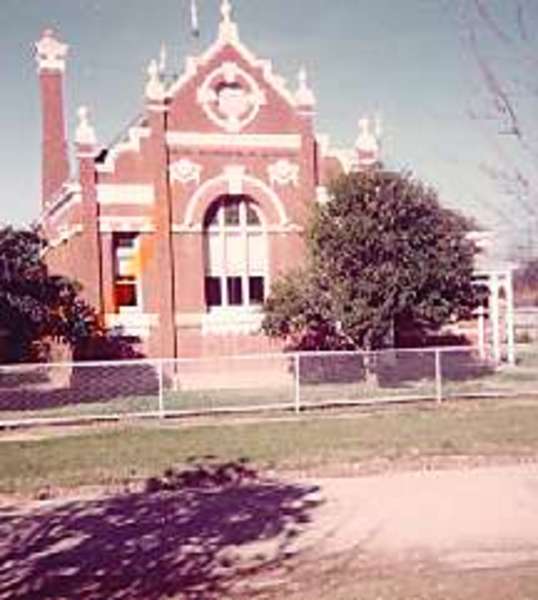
<point x="471" y="518"/>
<point x="198" y="541"/>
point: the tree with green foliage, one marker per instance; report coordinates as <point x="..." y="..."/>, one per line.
<point x="383" y="256"/>
<point x="34" y="304"/>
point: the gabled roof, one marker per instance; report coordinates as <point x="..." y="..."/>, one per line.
<point x="228" y="35"/>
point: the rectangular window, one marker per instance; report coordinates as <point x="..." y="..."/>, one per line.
<point x="126" y="293"/>
<point x="235" y="291"/>
<point x="126" y="277"/>
<point x="213" y="294"/>
<point x="256" y="290"/>
<point x="125" y="240"/>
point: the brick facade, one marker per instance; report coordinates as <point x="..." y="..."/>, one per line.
<point x="227" y="131"/>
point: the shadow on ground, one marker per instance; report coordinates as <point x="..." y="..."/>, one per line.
<point x="393" y="368"/>
<point x="40" y="387"/>
<point x="184" y="536"/>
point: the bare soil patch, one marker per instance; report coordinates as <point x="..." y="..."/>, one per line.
<point x="400" y="535"/>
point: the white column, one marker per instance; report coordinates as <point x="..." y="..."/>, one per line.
<point x="481" y="332"/>
<point x="494" y="316"/>
<point x="223" y="270"/>
<point x="510" y="333"/>
<point x="244" y="252"/>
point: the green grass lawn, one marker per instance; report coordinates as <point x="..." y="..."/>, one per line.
<point x="115" y="453"/>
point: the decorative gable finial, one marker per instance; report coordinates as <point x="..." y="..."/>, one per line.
<point x="154" y="88"/>
<point x="85" y="133"/>
<point x="163" y="56"/>
<point x="368" y="144"/>
<point x="228" y="31"/>
<point x="378" y="126"/>
<point x="226" y="11"/>
<point x="50" y="52"/>
<point x="304" y="96"/>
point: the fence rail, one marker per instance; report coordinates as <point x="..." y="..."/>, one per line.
<point x="61" y="392"/>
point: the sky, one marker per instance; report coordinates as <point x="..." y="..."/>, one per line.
<point x="401" y="58"/>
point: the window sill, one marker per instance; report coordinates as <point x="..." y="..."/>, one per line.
<point x="242" y="320"/>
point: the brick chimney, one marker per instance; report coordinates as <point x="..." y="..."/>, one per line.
<point x="51" y="57"/>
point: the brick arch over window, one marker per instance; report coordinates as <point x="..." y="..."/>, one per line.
<point x="268" y="200"/>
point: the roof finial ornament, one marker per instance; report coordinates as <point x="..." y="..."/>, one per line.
<point x="154" y="88"/>
<point x="368" y="144"/>
<point x="378" y="126"/>
<point x="304" y="96"/>
<point x="163" y="55"/>
<point x="226" y="11"/>
<point x="50" y="52"/>
<point x="228" y="30"/>
<point x="85" y="133"/>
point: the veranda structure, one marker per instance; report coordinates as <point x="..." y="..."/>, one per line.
<point x="500" y="310"/>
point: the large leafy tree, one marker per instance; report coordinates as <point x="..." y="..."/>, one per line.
<point x="384" y="256"/>
<point x="34" y="304"/>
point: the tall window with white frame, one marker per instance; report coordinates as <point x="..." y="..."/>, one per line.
<point x="127" y="284"/>
<point x="235" y="254"/>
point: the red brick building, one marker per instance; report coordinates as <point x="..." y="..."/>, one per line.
<point x="177" y="231"/>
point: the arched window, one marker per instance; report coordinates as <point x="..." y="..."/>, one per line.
<point x="235" y="253"/>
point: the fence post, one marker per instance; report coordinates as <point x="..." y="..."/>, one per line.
<point x="160" y="371"/>
<point x="297" y="383"/>
<point x="438" y="377"/>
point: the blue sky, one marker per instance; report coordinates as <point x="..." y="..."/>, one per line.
<point x="402" y="58"/>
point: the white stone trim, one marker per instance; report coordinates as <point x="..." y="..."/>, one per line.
<point x="224" y="178"/>
<point x="281" y="141"/>
<point x="50" y="54"/>
<point x="132" y="144"/>
<point x="155" y="91"/>
<point x="283" y="172"/>
<point x="304" y="96"/>
<point x="324" y="141"/>
<point x="198" y="229"/>
<point x="156" y="107"/>
<point x="65" y="233"/>
<point x="184" y="171"/>
<point x="130" y="224"/>
<point x="188" y="320"/>
<point x="89" y="154"/>
<point x="75" y="200"/>
<point x="208" y="98"/>
<point x="71" y="196"/>
<point x="322" y="194"/>
<point x="178" y="228"/>
<point x="125" y="194"/>
<point x="345" y="156"/>
<point x="228" y="35"/>
<point x="235" y="174"/>
<point x="368" y="144"/>
<point x="242" y="320"/>
<point x="85" y="133"/>
<point x="136" y="324"/>
<point x="290" y="228"/>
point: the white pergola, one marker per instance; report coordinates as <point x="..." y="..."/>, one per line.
<point x="499" y="281"/>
